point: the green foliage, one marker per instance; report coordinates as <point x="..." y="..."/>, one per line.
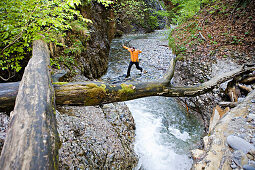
<point x="176" y="47"/>
<point x="236" y="40"/>
<point x="137" y="13"/>
<point x="54" y="63"/>
<point x="162" y="13"/>
<point x="185" y="9"/>
<point x="153" y="22"/>
<point x="131" y="9"/>
<point x="23" y="21"/>
<point x="106" y="3"/>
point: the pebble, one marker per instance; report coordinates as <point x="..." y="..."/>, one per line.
<point x="238" y="143"/>
<point x="251" y="116"/>
<point x="233" y="165"/>
<point x="250" y="156"/>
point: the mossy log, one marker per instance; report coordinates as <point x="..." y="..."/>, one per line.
<point x="32" y="140"/>
<point x="95" y="93"/>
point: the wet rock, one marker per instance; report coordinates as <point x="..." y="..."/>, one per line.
<point x="248" y="167"/>
<point x="238" y="143"/>
<point x="197" y="154"/>
<point x="96" y="137"/>
<point x="233" y="165"/>
<point x="4" y="124"/>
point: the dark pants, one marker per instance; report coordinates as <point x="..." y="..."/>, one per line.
<point x="130" y="65"/>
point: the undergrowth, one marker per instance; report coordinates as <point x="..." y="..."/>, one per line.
<point x="219" y="28"/>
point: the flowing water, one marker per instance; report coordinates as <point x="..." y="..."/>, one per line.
<point x="164" y="132"/>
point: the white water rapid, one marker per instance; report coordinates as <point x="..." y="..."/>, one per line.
<point x="154" y="151"/>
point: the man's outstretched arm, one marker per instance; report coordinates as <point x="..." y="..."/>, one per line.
<point x="125" y="47"/>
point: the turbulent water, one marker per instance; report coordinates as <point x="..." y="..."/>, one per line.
<point x="164" y="131"/>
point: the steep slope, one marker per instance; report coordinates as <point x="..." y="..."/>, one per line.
<point x="219" y="38"/>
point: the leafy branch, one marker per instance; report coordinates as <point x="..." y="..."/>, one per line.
<point x="23" y="21"/>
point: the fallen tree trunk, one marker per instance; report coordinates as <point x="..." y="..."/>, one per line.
<point x="32" y="140"/>
<point x="95" y="93"/>
<point x="8" y="93"/>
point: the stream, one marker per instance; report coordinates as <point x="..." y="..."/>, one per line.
<point x="165" y="133"/>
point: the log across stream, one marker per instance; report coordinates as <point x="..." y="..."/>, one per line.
<point x="164" y="133"/>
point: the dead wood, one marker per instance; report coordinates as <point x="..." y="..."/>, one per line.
<point x="32" y="140"/>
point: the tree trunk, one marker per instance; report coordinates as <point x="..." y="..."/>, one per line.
<point x="8" y="93"/>
<point x="95" y="93"/>
<point x="32" y="140"/>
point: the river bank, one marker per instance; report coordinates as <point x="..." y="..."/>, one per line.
<point x="215" y="152"/>
<point x="211" y="49"/>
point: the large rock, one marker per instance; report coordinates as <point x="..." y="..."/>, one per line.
<point x="96" y="137"/>
<point x="95" y="61"/>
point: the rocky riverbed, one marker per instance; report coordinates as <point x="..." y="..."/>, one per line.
<point x="231" y="145"/>
<point x="216" y="151"/>
<point x="4" y="124"/>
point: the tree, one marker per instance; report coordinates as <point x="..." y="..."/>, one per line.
<point x="23" y="21"/>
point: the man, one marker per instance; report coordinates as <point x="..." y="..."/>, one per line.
<point x="134" y="59"/>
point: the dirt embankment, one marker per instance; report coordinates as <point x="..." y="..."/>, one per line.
<point x="218" y="39"/>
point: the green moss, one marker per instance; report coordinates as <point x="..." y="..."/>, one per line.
<point x="93" y="85"/>
<point x="94" y="94"/>
<point x="60" y="83"/>
<point x="125" y="91"/>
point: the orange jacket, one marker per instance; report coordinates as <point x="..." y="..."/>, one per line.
<point x="134" y="54"/>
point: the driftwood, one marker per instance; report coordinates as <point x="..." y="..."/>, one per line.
<point x="248" y="80"/>
<point x="233" y="91"/>
<point x="32" y="140"/>
<point x="245" y="88"/>
<point x="95" y="93"/>
<point x="228" y="104"/>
